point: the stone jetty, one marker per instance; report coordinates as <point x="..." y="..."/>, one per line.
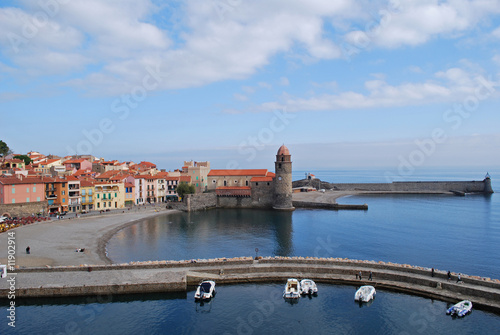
<point x="180" y="276"/>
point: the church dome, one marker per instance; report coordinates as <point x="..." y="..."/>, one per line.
<point x="283" y="150"/>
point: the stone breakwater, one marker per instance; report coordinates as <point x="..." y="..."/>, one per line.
<point x="421" y="187"/>
<point x="179" y="276"/>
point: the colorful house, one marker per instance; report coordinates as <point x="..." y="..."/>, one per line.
<point x="20" y="189"/>
<point x="87" y="195"/>
<point x="109" y="195"/>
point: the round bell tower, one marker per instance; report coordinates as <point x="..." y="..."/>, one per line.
<point x="283" y="180"/>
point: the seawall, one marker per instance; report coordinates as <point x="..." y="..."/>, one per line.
<point x="179" y="276"/>
<point x="420" y="187"/>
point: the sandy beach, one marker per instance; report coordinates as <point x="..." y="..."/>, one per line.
<point x="53" y="243"/>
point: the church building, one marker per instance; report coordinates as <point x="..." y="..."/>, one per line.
<point x="255" y="188"/>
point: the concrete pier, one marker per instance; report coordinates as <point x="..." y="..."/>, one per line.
<point x="179" y="276"/>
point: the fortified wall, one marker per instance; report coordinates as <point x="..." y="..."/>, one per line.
<point x="416" y="186"/>
<point x="23" y="209"/>
<point x="483" y="186"/>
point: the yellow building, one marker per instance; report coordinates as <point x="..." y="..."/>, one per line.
<point x="87" y="193"/>
<point x="109" y="195"/>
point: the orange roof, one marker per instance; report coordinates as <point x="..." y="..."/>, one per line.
<point x="87" y="183"/>
<point x="24" y="180"/>
<point x="73" y="161"/>
<point x="271" y="174"/>
<point x="283" y="150"/>
<point x="108" y="174"/>
<point x="172" y="178"/>
<point x="261" y="179"/>
<point x="248" y="172"/>
<point x="186" y="179"/>
<point x="148" y="164"/>
<point x="129" y="185"/>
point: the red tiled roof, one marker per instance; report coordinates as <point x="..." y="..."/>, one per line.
<point x="87" y="183"/>
<point x="129" y="185"/>
<point x="186" y="179"/>
<point x="148" y="164"/>
<point x="271" y="174"/>
<point x="73" y="161"/>
<point x="24" y="180"/>
<point x="172" y="178"/>
<point x="243" y="172"/>
<point x="257" y="179"/>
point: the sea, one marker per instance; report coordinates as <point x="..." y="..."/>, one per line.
<point x="456" y="233"/>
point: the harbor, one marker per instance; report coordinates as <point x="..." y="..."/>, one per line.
<point x="179" y="276"/>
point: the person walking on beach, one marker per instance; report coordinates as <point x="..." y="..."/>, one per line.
<point x="449" y="275"/>
<point x="370" y="277"/>
<point x="432" y="272"/>
<point x="28" y="249"/>
<point x="459" y="280"/>
<point x="359" y="275"/>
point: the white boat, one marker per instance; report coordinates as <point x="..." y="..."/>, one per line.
<point x="292" y="289"/>
<point x="205" y="291"/>
<point x="365" y="293"/>
<point x="308" y="286"/>
<point x="460" y="309"/>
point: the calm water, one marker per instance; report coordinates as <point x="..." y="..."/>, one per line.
<point x="461" y="234"/>
<point x="251" y="309"/>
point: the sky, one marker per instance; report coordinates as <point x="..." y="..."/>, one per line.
<point x="359" y="84"/>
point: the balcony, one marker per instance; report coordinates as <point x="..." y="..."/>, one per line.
<point x="50" y="196"/>
<point x="74" y="187"/>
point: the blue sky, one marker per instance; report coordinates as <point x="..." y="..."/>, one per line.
<point x="396" y="84"/>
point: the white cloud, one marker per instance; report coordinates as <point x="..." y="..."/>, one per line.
<point x="108" y="46"/>
<point x="414" y="22"/>
<point x="284" y="81"/>
<point x="452" y="85"/>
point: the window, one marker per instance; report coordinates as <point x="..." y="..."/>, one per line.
<point x="28" y="199"/>
<point x="90" y="192"/>
<point x="83" y="192"/>
<point x="246" y="183"/>
<point x="196" y="177"/>
<point x="37" y="198"/>
<point x="98" y="205"/>
<point x="104" y="204"/>
<point x="225" y="183"/>
<point x="256" y="184"/>
<point x="63" y="192"/>
<point x="34" y="189"/>
<point x="115" y="195"/>
<point x="13" y="189"/>
<point x="279" y="166"/>
<point x="279" y="178"/>
<point x="13" y="201"/>
<point x="109" y="204"/>
<point x="97" y="195"/>
<point x="116" y="205"/>
<point x="236" y="182"/>
<point x="64" y="200"/>
<point x="196" y="184"/>
<point x="27" y="190"/>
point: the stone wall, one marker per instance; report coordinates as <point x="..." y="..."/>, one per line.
<point x="262" y="194"/>
<point x="417" y="186"/>
<point x="234" y="202"/>
<point x="24" y="209"/>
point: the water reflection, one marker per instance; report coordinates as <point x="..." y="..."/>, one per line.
<point x="206" y="234"/>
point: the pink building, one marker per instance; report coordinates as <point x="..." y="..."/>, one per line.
<point x="78" y="164"/>
<point x="20" y="189"/>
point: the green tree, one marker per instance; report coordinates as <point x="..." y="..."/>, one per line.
<point x="4" y="148"/>
<point x="25" y="158"/>
<point x="185" y="188"/>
